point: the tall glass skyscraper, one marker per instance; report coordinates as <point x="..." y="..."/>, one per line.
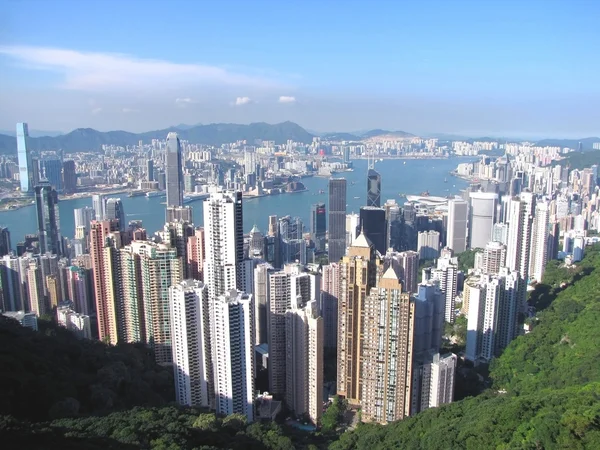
<point x="46" y="202"/>
<point x="318" y="225"/>
<point x="52" y="171"/>
<point x="337" y="219"/>
<point x="115" y="210"/>
<point x="174" y="171"/>
<point x="24" y="154"/>
<point x="373" y="188"/>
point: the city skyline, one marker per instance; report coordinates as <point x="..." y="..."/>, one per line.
<point x="481" y="69"/>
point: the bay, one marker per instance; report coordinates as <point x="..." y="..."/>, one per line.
<point x="399" y="176"/>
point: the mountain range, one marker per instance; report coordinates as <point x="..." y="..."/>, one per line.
<point x="88" y="139"/>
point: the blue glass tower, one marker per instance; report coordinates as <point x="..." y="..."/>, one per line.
<point x="24" y="154"/>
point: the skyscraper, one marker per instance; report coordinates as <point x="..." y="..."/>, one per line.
<point x="481" y="218"/>
<point x="149" y="170"/>
<point x="456" y="236"/>
<point x="161" y="268"/>
<point x="373" y="225"/>
<point x="69" y="177"/>
<point x="83" y="217"/>
<point x="191" y="349"/>
<point x="358" y="274"/>
<point x="539" y="242"/>
<point x="196" y="254"/>
<point x="385" y="366"/>
<point x="232" y="340"/>
<point x="406" y="266"/>
<point x="373" y="188"/>
<point x="103" y="245"/>
<point x="330" y="292"/>
<point x="25" y="162"/>
<point x="46" y="202"/>
<point x="4" y="241"/>
<point x="304" y="360"/>
<point x="224" y="242"/>
<point x="115" y="211"/>
<point x="337" y="219"/>
<point x="318" y="225"/>
<point x="99" y="206"/>
<point x="174" y="171"/>
<point x="176" y="213"/>
<point x="52" y="172"/>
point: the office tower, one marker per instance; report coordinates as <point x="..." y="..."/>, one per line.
<point x="358" y="274"/>
<point x="428" y="244"/>
<point x="447" y="275"/>
<point x="492" y="315"/>
<point x="337" y="219"/>
<point x="176" y="213"/>
<point x="494" y="257"/>
<point x="257" y="245"/>
<point x="429" y="320"/>
<point x="293" y="245"/>
<point x="261" y="301"/>
<point x="11" y="294"/>
<point x="373" y="188"/>
<point x="24" y="155"/>
<point x="481" y="217"/>
<point x="78" y="289"/>
<point x="520" y="234"/>
<point x="500" y="233"/>
<point x="46" y="202"/>
<point x="393" y="218"/>
<point x="99" y="206"/>
<point x="539" y="242"/>
<point x="406" y="266"/>
<point x="104" y="241"/>
<point x="304" y="360"/>
<point x="69" y="177"/>
<point x="115" y="210"/>
<point x="352" y="228"/>
<point x="385" y="366"/>
<point x="553" y="240"/>
<point x="232" y="340"/>
<point x="456" y="236"/>
<point x="273" y="243"/>
<point x="149" y="170"/>
<point x="52" y="173"/>
<point x="174" y="171"/>
<point x="330" y="292"/>
<point x="55" y="297"/>
<point x="249" y="161"/>
<point x="438" y="380"/>
<point x="318" y="227"/>
<point x="191" y="349"/>
<point x="374" y="227"/>
<point x="224" y="242"/>
<point x="83" y="218"/>
<point x="195" y="255"/>
<point x="161" y="268"/>
<point x="77" y="323"/>
<point x="4" y="241"/>
<point x="35" y="289"/>
<point x="176" y="234"/>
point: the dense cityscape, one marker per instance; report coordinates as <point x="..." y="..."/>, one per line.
<point x="249" y="321"/>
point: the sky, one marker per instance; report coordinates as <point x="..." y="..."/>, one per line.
<point x="472" y="67"/>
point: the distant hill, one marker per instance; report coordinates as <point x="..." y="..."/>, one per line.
<point x="378" y="132"/>
<point x="341" y="137"/>
<point x="586" y="143"/>
<point x="580" y="160"/>
<point x="33" y="133"/>
<point x="83" y="139"/>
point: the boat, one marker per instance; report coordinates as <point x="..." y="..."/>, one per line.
<point x="356" y="197"/>
<point x="404" y="162"/>
<point x="137" y="193"/>
<point x="445" y="180"/>
<point x="155" y="194"/>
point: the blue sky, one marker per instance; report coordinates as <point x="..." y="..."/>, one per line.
<point x="520" y="68"/>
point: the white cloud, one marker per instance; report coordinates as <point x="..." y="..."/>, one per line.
<point x="96" y="110"/>
<point x="97" y="71"/>
<point x="242" y="101"/>
<point x="130" y="110"/>
<point x="287" y="99"/>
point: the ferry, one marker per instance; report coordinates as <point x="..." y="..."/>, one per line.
<point x="137" y="193"/>
<point x="156" y="194"/>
